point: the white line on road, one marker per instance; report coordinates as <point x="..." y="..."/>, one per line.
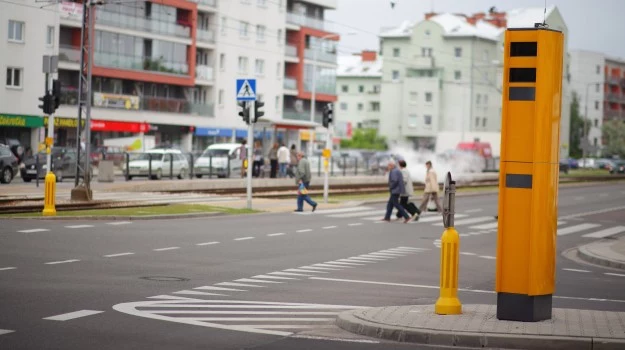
<point x="317" y="268"/>
<point x="5" y="331"/>
<point x="357" y="261"/>
<point x="207" y="243"/>
<point x="615" y="274"/>
<point x="313" y="337"/>
<point x="280" y="273"/>
<point x="437" y="217"/>
<point x="603" y="194"/>
<point x="343" y="263"/>
<point x="273" y="277"/>
<point x="328" y="227"/>
<point x="250" y="280"/>
<point x="275" y="234"/>
<point x="579" y="198"/>
<point x="72" y="315"/>
<point x="467" y="253"/>
<point x="575" y="270"/>
<point x="355" y="224"/>
<point x="7" y="268"/>
<point x="331" y="266"/>
<point x="243" y="238"/>
<point x="339" y="210"/>
<point x="33" y="230"/>
<point x="473" y="210"/>
<point x="378" y="212"/>
<point x="388" y="255"/>
<point x="61" y="262"/>
<point x="606" y="233"/>
<point x="464" y="235"/>
<point x="78" y="226"/>
<point x="468" y="221"/>
<point x="576" y="228"/>
<point x="304" y="230"/>
<point x="304" y="271"/>
<point x="195" y="292"/>
<point x="485" y="226"/>
<point x="488" y="257"/>
<point x="118" y="254"/>
<point x="593" y="212"/>
<point x="371" y="257"/>
<point x="264" y="319"/>
<point x="232" y="284"/>
<point x="220" y="289"/>
<point x="224" y="312"/>
<point x="117" y="223"/>
<point x="164" y="249"/>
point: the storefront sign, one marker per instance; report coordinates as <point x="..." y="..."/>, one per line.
<point x="115" y="101"/>
<point x="105" y="125"/>
<point x="20" y="121"/>
<point x="71" y="10"/>
<point x="213" y="132"/>
<point x="60" y="122"/>
<point x="306" y="135"/>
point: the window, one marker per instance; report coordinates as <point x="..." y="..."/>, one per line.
<point x="277" y="103"/>
<point x="278" y="70"/>
<point x="361" y="88"/>
<point x="598" y="69"/>
<point x="596" y="123"/>
<point x="413" y="96"/>
<point x="458" y="52"/>
<point x="260" y="67"/>
<point x="16" y="31"/>
<point x="50" y="36"/>
<point x="343" y="106"/>
<point x="484" y="122"/>
<point x="477" y="121"/>
<point x="375" y="106"/>
<point x="486" y="99"/>
<point x="376" y="89"/>
<point x="426" y="51"/>
<point x="427" y="32"/>
<point x="220" y="97"/>
<point x="427" y="119"/>
<point x="478" y="99"/>
<point x="14" y="77"/>
<point x="224" y="26"/>
<point x="261" y="3"/>
<point x="412" y="120"/>
<point x="594" y="141"/>
<point x="396" y="52"/>
<point x="344" y="88"/>
<point x="242" y="64"/>
<point x="360" y="106"/>
<point x="457" y="75"/>
<point x="597" y="87"/>
<point x="395" y="75"/>
<point x="243" y="29"/>
<point x="260" y="33"/>
<point x="597" y="105"/>
<point x="222" y="62"/>
<point x="486" y="55"/>
<point x="280" y="42"/>
<point x="428" y="97"/>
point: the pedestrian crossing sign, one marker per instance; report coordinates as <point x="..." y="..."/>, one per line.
<point x="246" y="89"/>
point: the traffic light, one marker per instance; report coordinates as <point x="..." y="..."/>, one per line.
<point x="327" y="115"/>
<point x="245" y="113"/>
<point x="56" y="93"/>
<point x="257" y="112"/>
<point x="47" y="103"/>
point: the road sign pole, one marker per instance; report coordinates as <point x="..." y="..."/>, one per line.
<point x="250" y="155"/>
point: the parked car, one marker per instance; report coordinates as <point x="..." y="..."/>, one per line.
<point x="63" y="164"/>
<point x="216" y="158"/>
<point x="587" y="163"/>
<point x="604" y="163"/>
<point x="573" y="163"/>
<point x="617" y="167"/>
<point x="157" y="163"/>
<point x="379" y="161"/>
<point x="349" y="159"/>
<point x="8" y="164"/>
<point x="564" y="166"/>
<point x="15" y="146"/>
<point x="116" y="154"/>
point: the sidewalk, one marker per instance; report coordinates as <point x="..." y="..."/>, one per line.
<point x="478" y="327"/>
<point x="607" y="252"/>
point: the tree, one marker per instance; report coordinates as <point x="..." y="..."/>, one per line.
<point x="614" y="138"/>
<point x="577" y="129"/>
<point x="365" y="139"/>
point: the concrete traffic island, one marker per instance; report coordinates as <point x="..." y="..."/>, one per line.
<point x="479" y="327"/>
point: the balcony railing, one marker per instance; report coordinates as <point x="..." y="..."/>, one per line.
<point x="423" y="62"/>
<point x="305" y="21"/>
<point x="614" y="97"/>
<point x="207" y="36"/>
<point x="304" y="115"/>
<point x="291" y="50"/>
<point x="211" y="3"/>
<point x="142" y="24"/>
<point x="106" y="59"/>
<point x="69" y="54"/>
<point x="613" y="80"/>
<point x="69" y="96"/>
<point x="320" y="87"/>
<point x="204" y="72"/>
<point x="290" y="83"/>
<point x="612" y="114"/>
<point x="204" y="110"/>
<point x="320" y="55"/>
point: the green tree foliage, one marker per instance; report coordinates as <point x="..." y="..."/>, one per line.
<point x="365" y="139"/>
<point x="614" y="138"/>
<point x="577" y="128"/>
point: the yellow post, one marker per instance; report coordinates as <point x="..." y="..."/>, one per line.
<point x="448" y="302"/>
<point x="49" y="195"/>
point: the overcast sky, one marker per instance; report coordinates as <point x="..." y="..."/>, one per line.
<point x="596" y="25"/>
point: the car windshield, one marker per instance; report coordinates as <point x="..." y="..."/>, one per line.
<point x="146" y="156"/>
<point x="216" y="153"/>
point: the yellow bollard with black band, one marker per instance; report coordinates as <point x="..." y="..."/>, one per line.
<point x="529" y="170"/>
<point x="49" y="207"/>
<point x="448" y="302"/>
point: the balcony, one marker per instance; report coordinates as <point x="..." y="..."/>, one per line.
<point x="292" y="114"/>
<point x="142" y="24"/>
<point x="204" y="72"/>
<point x="612" y="80"/>
<point x="203" y="110"/>
<point x="210" y="3"/>
<point x="612" y="114"/>
<point x="115" y="60"/>
<point x="291" y="50"/>
<point x="69" y="54"/>
<point x="423" y="62"/>
<point x="305" y="21"/>
<point x="321" y="87"/>
<point x="69" y="96"/>
<point x="207" y="36"/>
<point x="623" y="83"/>
<point x="320" y="55"/>
<point x="290" y="83"/>
<point x="614" y="97"/>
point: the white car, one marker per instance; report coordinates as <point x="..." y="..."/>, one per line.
<point x="216" y="158"/>
<point x="164" y="161"/>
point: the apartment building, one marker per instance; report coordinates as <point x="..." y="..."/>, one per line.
<point x="599" y="82"/>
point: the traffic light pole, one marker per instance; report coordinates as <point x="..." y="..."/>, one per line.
<point x="250" y="154"/>
<point x="326" y="179"/>
<point x="50" y="129"/>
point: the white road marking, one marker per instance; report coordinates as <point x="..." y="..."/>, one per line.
<point x="5" y="331"/>
<point x="485" y="226"/>
<point x="304" y="230"/>
<point x="243" y="238"/>
<point x="606" y="233"/>
<point x="576" y="228"/>
<point x="560" y="223"/>
<point x="317" y="268"/>
<point x="280" y="273"/>
<point x="61" y="262"/>
<point x="275" y="234"/>
<point x="410" y="249"/>
<point x="72" y="315"/>
<point x="614" y="274"/>
<point x="78" y="226"/>
<point x="358" y="261"/>
<point x="372" y="257"/>
<point x="117" y="223"/>
<point x="467" y="253"/>
<point x="232" y="284"/>
<point x="365" y="341"/>
<point x="380" y="213"/>
<point x="328" y="227"/>
<point x="118" y="254"/>
<point x="338" y="210"/>
<point x="207" y="243"/>
<point x="343" y="263"/>
<point x="464" y="235"/>
<point x="224" y="312"/>
<point x="274" y="277"/>
<point x="579" y="198"/>
<point x="164" y="249"/>
<point x="468" y="221"/>
<point x="195" y="292"/>
<point x="388" y="255"/>
<point x="33" y="230"/>
<point x="575" y="270"/>
<point x="603" y="194"/>
<point x="438" y="218"/>
<point x="355" y="224"/>
<point x="473" y="210"/>
<point x="593" y="212"/>
<point x="264" y="319"/>
<point x="251" y="280"/>
<point x="7" y="268"/>
<point x="332" y="266"/>
<point x="488" y="257"/>
<point x="220" y="289"/>
<point x="304" y="271"/>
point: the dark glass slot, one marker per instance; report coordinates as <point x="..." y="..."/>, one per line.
<point x="522" y="75"/>
<point x="522" y="94"/>
<point x="524" y="49"/>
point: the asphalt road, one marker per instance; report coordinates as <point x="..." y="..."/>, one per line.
<point x="265" y="281"/>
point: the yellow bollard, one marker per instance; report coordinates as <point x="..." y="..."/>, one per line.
<point x="49" y="195"/>
<point x="448" y="302"/>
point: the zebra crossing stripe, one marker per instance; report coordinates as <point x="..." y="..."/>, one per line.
<point x="606" y="233"/>
<point x="251" y="280"/>
<point x="274" y="277"/>
<point x="358" y="214"/>
<point x="576" y="228"/>
<point x="469" y="221"/>
<point x="485" y="226"/>
<point x="194" y="292"/>
<point x="335" y="211"/>
<point x="220" y="289"/>
<point x="232" y="284"/>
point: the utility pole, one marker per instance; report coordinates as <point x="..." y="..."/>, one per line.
<point x="250" y="153"/>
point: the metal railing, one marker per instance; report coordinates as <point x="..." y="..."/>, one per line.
<point x="206" y="35"/>
<point x="204" y="72"/>
<point x="107" y="59"/>
<point x="211" y="3"/>
<point x="145" y="103"/>
<point x="69" y="54"/>
<point x="142" y="24"/>
<point x="305" y="21"/>
<point x="290" y="50"/>
<point x="322" y="56"/>
<point x="612" y="97"/>
<point x="290" y="83"/>
<point x="203" y="109"/>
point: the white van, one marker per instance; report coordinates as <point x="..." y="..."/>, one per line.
<point x="218" y="156"/>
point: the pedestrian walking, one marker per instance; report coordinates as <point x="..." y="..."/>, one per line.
<point x="396" y="188"/>
<point x="283" y="159"/>
<point x="243" y="157"/>
<point x="408" y="191"/>
<point x="302" y="179"/>
<point x="431" y="189"/>
<point x="258" y="160"/>
<point x="273" y="160"/>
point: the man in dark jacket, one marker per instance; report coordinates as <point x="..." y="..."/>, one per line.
<point x="396" y="187"/>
